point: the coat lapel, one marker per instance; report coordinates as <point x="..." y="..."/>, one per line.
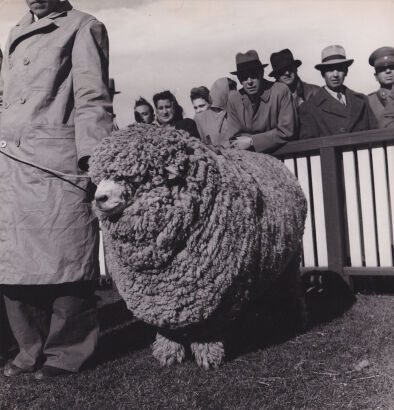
<point x="27" y="25"/>
<point x="330" y="105"/>
<point x="356" y="105"/>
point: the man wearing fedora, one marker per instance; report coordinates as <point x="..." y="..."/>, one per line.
<point x="335" y="109"/>
<point x="382" y="101"/>
<point x="284" y="70"/>
<point x="261" y="115"/>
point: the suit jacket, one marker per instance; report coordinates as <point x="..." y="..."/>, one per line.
<point x="323" y="115"/>
<point x="383" y="107"/>
<point x="304" y="92"/>
<point x="271" y="125"/>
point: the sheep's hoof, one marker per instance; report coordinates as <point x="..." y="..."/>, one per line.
<point x="208" y="355"/>
<point x="167" y="352"/>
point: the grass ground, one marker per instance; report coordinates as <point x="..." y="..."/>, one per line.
<point x="347" y="363"/>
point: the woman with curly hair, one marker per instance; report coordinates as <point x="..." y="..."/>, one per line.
<point x="169" y="112"/>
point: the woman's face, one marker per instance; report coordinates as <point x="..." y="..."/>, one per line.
<point x="165" y="111"/>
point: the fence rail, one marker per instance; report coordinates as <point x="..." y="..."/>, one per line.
<point x="348" y="181"/>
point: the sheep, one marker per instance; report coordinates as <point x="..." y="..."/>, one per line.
<point x="191" y="236"/>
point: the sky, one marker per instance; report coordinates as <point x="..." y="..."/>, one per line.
<point x="157" y="45"/>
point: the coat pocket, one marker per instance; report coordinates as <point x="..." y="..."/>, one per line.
<point x="49" y="69"/>
<point x="56" y="246"/>
<point x="53" y="147"/>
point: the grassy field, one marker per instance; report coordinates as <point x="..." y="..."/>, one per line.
<point x="346" y="363"/>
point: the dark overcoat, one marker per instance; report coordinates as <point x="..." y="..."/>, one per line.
<point x="323" y="115"/>
<point x="56" y="108"/>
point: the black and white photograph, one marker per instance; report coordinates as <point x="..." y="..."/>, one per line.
<point x="197" y="204"/>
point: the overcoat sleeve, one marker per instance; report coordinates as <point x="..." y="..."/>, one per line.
<point x="93" y="107"/>
<point x="284" y="130"/>
<point x="372" y="121"/>
<point x="234" y="112"/>
<point x="308" y="126"/>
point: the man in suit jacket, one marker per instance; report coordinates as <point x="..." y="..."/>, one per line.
<point x="285" y="70"/>
<point x="382" y="101"/>
<point x="335" y="109"/>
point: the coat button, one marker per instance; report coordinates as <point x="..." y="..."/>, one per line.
<point x="26" y="61"/>
<point x="22" y="100"/>
<point x="342" y="129"/>
<point x="3" y="144"/>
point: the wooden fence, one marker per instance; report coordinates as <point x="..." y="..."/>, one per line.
<point x="348" y="180"/>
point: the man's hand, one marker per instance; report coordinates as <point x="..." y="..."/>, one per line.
<point x="83" y="163"/>
<point x="242" y="142"/>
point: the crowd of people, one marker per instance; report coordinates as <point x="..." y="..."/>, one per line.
<point x="263" y="115"/>
<point x="56" y="105"/>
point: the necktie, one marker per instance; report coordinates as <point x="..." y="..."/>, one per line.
<point x="341" y="99"/>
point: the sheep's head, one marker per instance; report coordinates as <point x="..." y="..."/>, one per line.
<point x="153" y="185"/>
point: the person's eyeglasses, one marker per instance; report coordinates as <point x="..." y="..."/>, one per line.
<point x="285" y="70"/>
<point x="244" y="75"/>
<point x="382" y="69"/>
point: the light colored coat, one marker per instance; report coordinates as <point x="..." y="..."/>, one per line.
<point x="56" y="108"/>
<point x="274" y="122"/>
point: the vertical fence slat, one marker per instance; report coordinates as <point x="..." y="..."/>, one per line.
<point x="390" y="164"/>
<point x="333" y="208"/>
<point x="290" y="165"/>
<point x="382" y="208"/>
<point x="303" y="178"/>
<point x="318" y="203"/>
<point x="368" y="226"/>
<point x="103" y="270"/>
<point x="352" y="211"/>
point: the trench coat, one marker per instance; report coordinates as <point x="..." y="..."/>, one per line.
<point x="323" y="115"/>
<point x="272" y="125"/>
<point x="56" y="108"/>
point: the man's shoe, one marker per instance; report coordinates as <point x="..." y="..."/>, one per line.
<point x="47" y="372"/>
<point x="10" y="370"/>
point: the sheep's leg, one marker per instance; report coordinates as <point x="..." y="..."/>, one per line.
<point x="208" y="355"/>
<point x="167" y="351"/>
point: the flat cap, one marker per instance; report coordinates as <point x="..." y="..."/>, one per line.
<point x="382" y="57"/>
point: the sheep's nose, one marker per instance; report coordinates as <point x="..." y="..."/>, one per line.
<point x="101" y="198"/>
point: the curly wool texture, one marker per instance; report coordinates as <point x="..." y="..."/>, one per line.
<point x="204" y="233"/>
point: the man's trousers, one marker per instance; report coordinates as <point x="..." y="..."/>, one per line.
<point x="55" y="325"/>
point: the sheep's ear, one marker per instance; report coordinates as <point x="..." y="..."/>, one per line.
<point x="172" y="172"/>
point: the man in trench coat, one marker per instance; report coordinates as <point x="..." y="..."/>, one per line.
<point x="56" y="108"/>
<point x="261" y="116"/>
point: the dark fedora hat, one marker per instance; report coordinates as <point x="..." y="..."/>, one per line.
<point x="247" y="61"/>
<point x="281" y="60"/>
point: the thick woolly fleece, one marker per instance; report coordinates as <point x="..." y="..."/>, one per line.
<point x="204" y="233"/>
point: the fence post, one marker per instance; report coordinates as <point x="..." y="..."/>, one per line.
<point x="333" y="209"/>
